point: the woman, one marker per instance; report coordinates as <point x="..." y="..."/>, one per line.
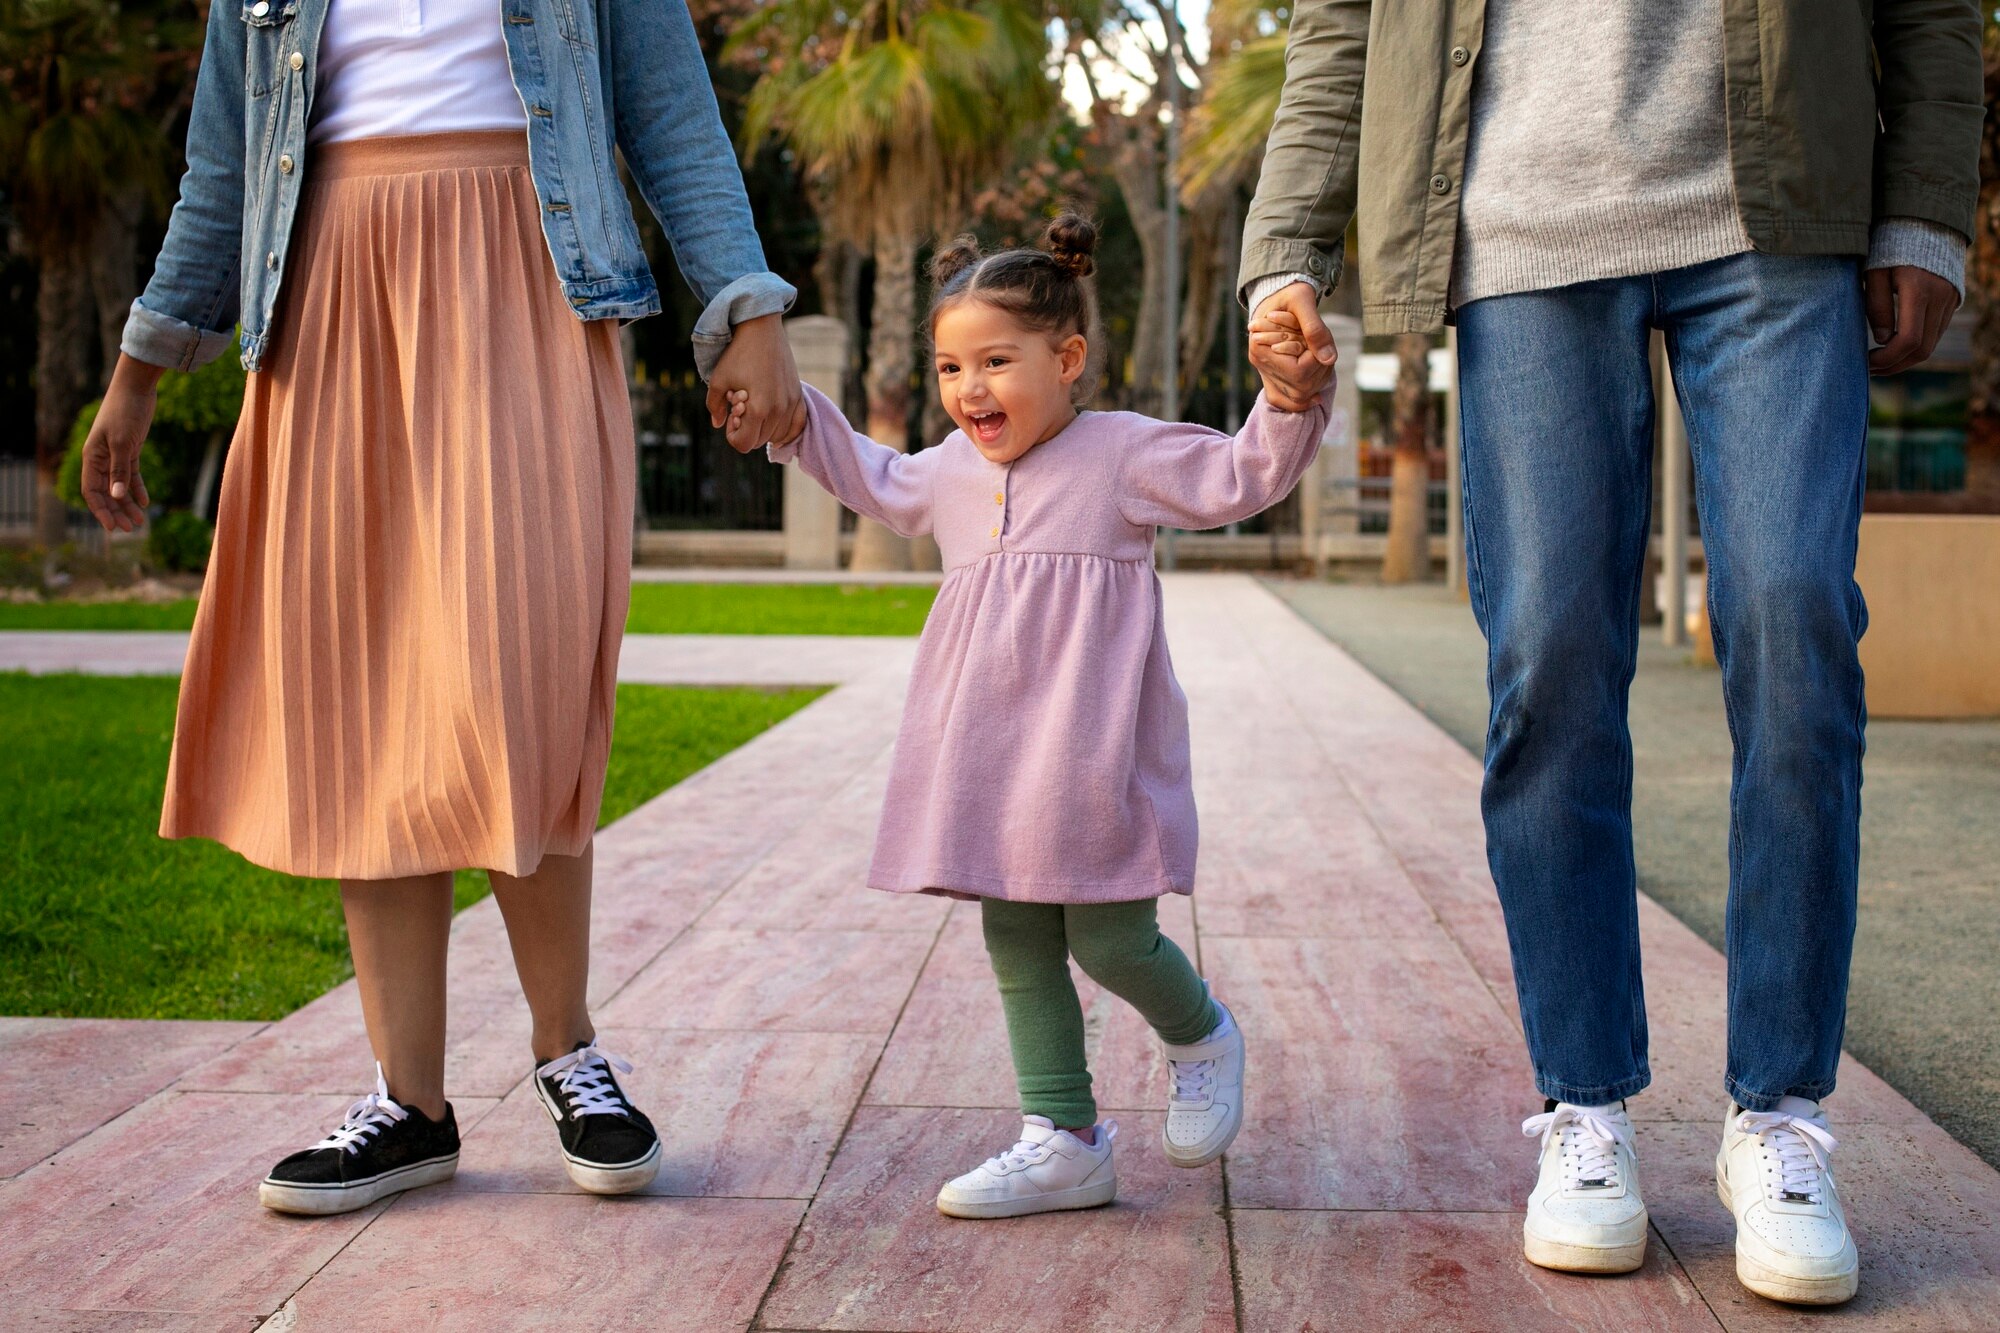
<point x="405" y="657"/>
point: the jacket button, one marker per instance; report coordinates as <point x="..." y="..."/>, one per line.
<point x="1459" y="55"/>
<point x="297" y="61"/>
<point x="1440" y="184"/>
<point x="260" y="9"/>
<point x="285" y="164"/>
<point x="1315" y="265"/>
<point x="271" y="260"/>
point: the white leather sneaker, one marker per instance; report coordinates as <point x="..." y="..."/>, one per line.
<point x="1586" y="1214"/>
<point x="1773" y="1172"/>
<point x="1205" y="1108"/>
<point x="1049" y="1170"/>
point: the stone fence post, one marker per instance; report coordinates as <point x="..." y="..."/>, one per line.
<point x="812" y="517"/>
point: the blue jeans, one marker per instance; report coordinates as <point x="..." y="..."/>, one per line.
<point x="1770" y="367"/>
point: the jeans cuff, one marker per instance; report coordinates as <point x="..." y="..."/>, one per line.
<point x="1577" y="1094"/>
<point x="1768" y="1101"/>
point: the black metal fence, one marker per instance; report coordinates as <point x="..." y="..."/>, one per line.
<point x="689" y="477"/>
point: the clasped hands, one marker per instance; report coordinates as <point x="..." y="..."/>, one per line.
<point x="1291" y="347"/>
<point x="753" y="394"/>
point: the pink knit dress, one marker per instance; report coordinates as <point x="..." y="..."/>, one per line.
<point x="1043" y="755"/>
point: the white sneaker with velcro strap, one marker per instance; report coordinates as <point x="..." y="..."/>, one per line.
<point x="1774" y="1172"/>
<point x="1048" y="1170"/>
<point x="1586" y="1214"/>
<point x="1205" y="1108"/>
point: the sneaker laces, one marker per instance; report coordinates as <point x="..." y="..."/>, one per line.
<point x="1194" y="1080"/>
<point x="1801" y="1148"/>
<point x="1589" y="1141"/>
<point x="1031" y="1152"/>
<point x="365" y="1118"/>
<point x="585" y="1080"/>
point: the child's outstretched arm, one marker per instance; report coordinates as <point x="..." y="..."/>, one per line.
<point x="869" y="478"/>
<point x="1181" y="475"/>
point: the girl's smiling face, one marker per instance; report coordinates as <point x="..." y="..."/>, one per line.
<point x="1005" y="384"/>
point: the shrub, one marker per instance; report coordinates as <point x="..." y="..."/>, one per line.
<point x="179" y="541"/>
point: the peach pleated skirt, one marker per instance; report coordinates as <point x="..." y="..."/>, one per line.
<point x="407" y="647"/>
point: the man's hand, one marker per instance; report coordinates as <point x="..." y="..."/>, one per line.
<point x="1908" y="308"/>
<point x="1291" y="348"/>
<point x="758" y="363"/>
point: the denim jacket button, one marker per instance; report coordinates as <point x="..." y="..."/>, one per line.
<point x="271" y="261"/>
<point x="285" y="164"/>
<point x="260" y="9"/>
<point x="298" y="60"/>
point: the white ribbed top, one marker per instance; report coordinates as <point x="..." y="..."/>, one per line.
<point x="1599" y="146"/>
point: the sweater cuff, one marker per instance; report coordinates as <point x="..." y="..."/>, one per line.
<point x="1260" y="289"/>
<point x="751" y="296"/>
<point x="1915" y="243"/>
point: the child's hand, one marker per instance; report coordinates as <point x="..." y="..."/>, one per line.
<point x="736" y="427"/>
<point x="1293" y="377"/>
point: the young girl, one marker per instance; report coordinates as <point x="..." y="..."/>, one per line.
<point x="407" y="645"/>
<point x="1042" y="766"/>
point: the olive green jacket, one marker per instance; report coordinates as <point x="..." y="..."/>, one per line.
<point x="1841" y="112"/>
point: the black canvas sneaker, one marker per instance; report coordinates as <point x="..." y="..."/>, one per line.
<point x="608" y="1145"/>
<point x="381" y="1148"/>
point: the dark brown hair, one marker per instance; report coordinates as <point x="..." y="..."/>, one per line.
<point x="1045" y="288"/>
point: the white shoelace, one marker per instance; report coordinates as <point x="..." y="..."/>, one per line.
<point x="1590" y="1143"/>
<point x="365" y="1118"/>
<point x="586" y="1082"/>
<point x="1800" y="1147"/>
<point x="1194" y="1080"/>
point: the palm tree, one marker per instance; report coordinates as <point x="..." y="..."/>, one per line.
<point x="898" y="109"/>
<point x="87" y="90"/>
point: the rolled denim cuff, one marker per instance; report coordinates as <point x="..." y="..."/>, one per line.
<point x="1258" y="290"/>
<point x="162" y="340"/>
<point x="751" y="296"/>
<point x="1913" y="242"/>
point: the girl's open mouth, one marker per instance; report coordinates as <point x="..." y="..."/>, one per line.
<point x="986" y="426"/>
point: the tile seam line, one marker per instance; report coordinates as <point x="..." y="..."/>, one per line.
<point x="1253" y="641"/>
<point x="846" y="1126"/>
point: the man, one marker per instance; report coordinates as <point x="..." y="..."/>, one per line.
<point x="1767" y="182"/>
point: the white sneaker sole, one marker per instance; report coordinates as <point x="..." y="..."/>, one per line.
<point x="327" y="1200"/>
<point x="1565" y="1258"/>
<point x="614" y="1179"/>
<point x="1094" y="1195"/>
<point x="1770" y="1283"/>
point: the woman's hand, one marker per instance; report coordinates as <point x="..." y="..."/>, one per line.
<point x="112" y="486"/>
<point x="758" y="363"/>
<point x="1296" y="367"/>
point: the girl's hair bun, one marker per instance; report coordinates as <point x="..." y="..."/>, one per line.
<point x="951" y="260"/>
<point x="1071" y="241"/>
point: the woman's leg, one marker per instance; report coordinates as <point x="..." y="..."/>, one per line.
<point x="398" y="929"/>
<point x="1120" y="947"/>
<point x="1044" y="1018"/>
<point x="548" y="926"/>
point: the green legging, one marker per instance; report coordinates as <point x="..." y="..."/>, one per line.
<point x="1120" y="947"/>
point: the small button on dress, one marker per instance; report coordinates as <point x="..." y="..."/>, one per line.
<point x="1043" y="753"/>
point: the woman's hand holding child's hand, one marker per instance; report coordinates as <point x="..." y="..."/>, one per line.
<point x="754" y="393"/>
<point x="1293" y="375"/>
<point x="741" y="438"/>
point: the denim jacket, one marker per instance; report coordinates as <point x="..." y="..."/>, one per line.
<point x="595" y="76"/>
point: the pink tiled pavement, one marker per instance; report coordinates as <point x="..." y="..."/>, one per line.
<point x="821" y="1056"/>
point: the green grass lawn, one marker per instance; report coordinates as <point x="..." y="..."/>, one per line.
<point x="657" y="608"/>
<point x="99" y="917"/>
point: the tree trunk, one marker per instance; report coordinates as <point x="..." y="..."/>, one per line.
<point x="1133" y="144"/>
<point x="114" y="267"/>
<point x="1407" y="557"/>
<point x="1211" y="264"/>
<point x="890" y="340"/>
<point x="62" y="355"/>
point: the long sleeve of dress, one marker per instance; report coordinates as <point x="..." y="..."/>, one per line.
<point x="1182" y="475"/>
<point x="869" y="478"/>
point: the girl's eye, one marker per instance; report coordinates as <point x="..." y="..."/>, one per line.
<point x="947" y="370"/>
<point x="996" y="361"/>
